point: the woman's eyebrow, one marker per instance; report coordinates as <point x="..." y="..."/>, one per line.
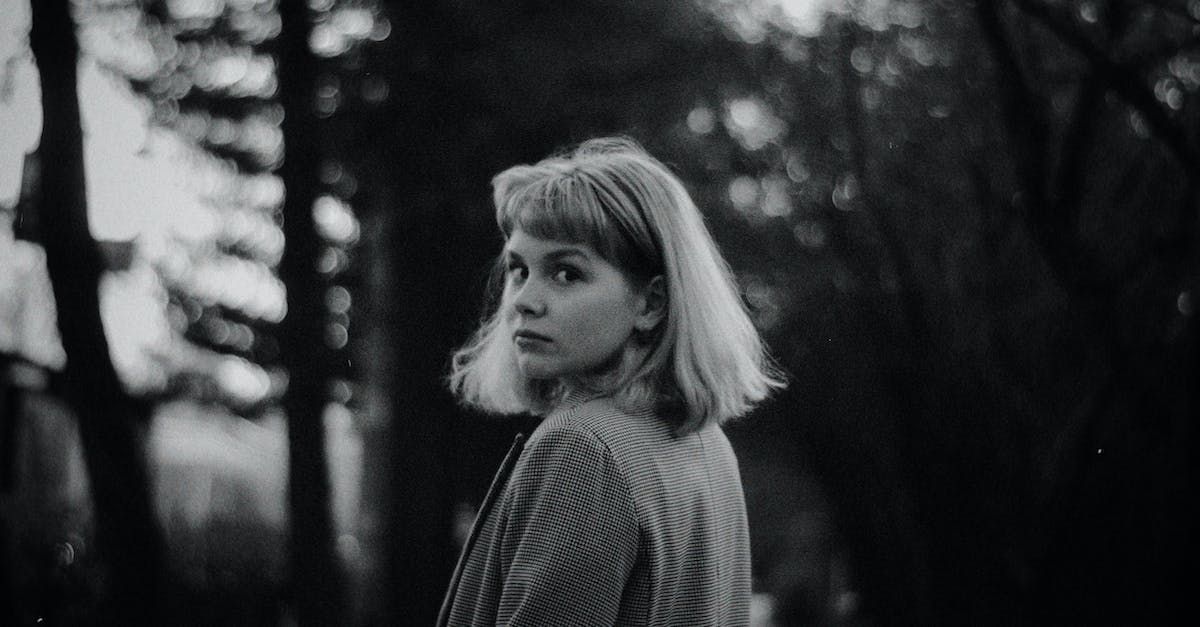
<point x="562" y="253"/>
<point x="556" y="254"/>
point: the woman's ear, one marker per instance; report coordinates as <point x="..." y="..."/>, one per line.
<point x="653" y="304"/>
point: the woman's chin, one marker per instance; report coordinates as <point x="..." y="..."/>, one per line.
<point x="536" y="368"/>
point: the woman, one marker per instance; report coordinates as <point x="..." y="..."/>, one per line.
<point x="619" y="321"/>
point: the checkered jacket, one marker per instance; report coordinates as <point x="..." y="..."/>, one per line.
<point x="606" y="517"/>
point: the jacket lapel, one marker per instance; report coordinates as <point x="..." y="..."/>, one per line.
<point x="485" y="508"/>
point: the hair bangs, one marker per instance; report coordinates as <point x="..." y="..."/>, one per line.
<point x="558" y="206"/>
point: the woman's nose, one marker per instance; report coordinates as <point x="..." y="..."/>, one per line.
<point x="529" y="301"/>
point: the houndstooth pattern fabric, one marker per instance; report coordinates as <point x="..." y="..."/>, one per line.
<point x="608" y="518"/>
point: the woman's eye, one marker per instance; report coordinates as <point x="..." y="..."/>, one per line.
<point x="566" y="275"/>
<point x="516" y="271"/>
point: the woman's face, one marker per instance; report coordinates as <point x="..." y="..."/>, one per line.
<point x="570" y="313"/>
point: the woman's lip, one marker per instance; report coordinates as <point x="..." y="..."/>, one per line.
<point x="530" y="336"/>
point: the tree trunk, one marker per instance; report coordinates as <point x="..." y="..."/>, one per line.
<point x="316" y="575"/>
<point x="111" y="423"/>
<point x="423" y="153"/>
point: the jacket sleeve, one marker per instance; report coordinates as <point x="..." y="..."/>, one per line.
<point x="571" y="538"/>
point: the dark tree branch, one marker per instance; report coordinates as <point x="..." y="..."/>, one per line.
<point x="1176" y="8"/>
<point x="1049" y="219"/>
<point x="316" y="575"/>
<point x="1023" y="115"/>
<point x="906" y="382"/>
<point x="1029" y="129"/>
<point x="111" y="424"/>
<point x="1123" y="80"/>
<point x="911" y="296"/>
<point x="1068" y="190"/>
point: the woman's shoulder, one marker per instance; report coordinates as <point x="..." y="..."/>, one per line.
<point x="627" y="436"/>
<point x="607" y="421"/>
<point x="580" y="445"/>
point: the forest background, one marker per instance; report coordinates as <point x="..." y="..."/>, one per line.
<point x="241" y="238"/>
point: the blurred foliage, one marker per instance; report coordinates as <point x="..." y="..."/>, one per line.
<point x="206" y="73"/>
<point x="986" y="304"/>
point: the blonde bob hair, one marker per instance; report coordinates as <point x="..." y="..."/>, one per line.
<point x="704" y="358"/>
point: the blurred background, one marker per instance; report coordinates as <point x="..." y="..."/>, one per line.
<point x="240" y="238"/>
